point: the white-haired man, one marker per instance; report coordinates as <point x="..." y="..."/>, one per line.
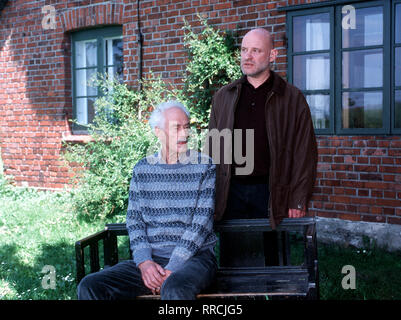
<point x="169" y="220"/>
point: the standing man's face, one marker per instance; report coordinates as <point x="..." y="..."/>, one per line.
<point x="256" y="54"/>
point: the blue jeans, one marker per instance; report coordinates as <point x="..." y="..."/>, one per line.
<point x="123" y="280"/>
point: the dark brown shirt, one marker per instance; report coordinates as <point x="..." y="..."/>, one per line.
<point x="250" y="114"/>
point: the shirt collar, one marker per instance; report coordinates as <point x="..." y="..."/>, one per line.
<point x="278" y="83"/>
<point x="269" y="82"/>
<point x="182" y="157"/>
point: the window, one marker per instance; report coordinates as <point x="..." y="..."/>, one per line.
<point x="350" y="74"/>
<point x="94" y="51"/>
<point x="311" y="63"/>
<point x="397" y="65"/>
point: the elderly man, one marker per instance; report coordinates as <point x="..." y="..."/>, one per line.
<point x="285" y="150"/>
<point x="169" y="220"/>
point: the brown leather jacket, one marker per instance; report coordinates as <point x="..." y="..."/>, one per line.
<point x="292" y="142"/>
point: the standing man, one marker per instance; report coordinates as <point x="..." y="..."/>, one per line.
<point x="285" y="150"/>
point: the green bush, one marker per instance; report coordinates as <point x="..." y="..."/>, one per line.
<point x="121" y="134"/>
<point x="213" y="62"/>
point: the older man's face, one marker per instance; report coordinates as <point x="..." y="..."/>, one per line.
<point x="255" y="54"/>
<point x="175" y="130"/>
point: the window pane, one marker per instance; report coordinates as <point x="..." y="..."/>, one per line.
<point x="363" y="68"/>
<point x="397" y="114"/>
<point x="362" y="109"/>
<point x="311" y="32"/>
<point x="368" y="30"/>
<point x="398" y="23"/>
<point x="83" y="79"/>
<point x="312" y="71"/>
<point x="91" y="109"/>
<point x="319" y="105"/>
<point x="113" y="51"/>
<point x="85" y="54"/>
<point x="398" y="66"/>
<point x="115" y="72"/>
<point x="85" y="110"/>
<point x="81" y="110"/>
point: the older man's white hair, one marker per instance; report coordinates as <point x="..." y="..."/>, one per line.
<point x="157" y="116"/>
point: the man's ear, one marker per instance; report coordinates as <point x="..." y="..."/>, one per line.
<point x="273" y="55"/>
<point x="157" y="132"/>
<point x="160" y="134"/>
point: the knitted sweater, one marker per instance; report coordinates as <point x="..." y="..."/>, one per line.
<point x="171" y="208"/>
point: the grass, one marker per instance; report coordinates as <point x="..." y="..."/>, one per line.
<point x="39" y="229"/>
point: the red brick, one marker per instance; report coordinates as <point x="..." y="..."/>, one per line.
<point x="363" y="193"/>
<point x="365" y="168"/>
<point x="388" y="202"/>
<point x="348" y="216"/>
<point x="377" y="194"/>
<point x="372" y="218"/>
<point x="395" y="144"/>
<point x="394" y="220"/>
<point x="348" y="151"/>
<point x="340" y="199"/>
<point x="326" y="214"/>
<point x="376" y="210"/>
<point x="390" y="169"/>
<point x="394" y="152"/>
<point x="363" y="201"/>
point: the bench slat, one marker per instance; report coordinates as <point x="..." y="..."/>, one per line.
<point x="288" y="224"/>
<point x="229" y="295"/>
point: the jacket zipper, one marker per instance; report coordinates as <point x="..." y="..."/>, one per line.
<point x="232" y="126"/>
<point x="271" y="157"/>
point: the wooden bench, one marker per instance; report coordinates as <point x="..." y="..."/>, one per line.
<point x="244" y="270"/>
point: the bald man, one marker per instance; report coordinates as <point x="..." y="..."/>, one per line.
<point x="284" y="153"/>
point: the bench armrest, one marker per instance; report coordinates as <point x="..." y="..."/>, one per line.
<point x="93" y="242"/>
<point x="109" y="238"/>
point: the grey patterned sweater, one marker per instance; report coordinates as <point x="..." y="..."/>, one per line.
<point x="171" y="207"/>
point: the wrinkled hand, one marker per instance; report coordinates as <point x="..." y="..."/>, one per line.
<point x="152" y="275"/>
<point x="296" y="213"/>
<point x="168" y="272"/>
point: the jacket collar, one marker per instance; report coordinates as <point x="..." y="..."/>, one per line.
<point x="278" y="83"/>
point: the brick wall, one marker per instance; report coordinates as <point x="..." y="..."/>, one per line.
<point x="359" y="177"/>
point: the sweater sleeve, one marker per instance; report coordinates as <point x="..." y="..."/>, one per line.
<point x="141" y="249"/>
<point x="202" y="222"/>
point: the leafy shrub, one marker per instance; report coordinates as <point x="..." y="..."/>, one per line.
<point x="213" y="62"/>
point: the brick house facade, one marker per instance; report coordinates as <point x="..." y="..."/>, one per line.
<point x="359" y="175"/>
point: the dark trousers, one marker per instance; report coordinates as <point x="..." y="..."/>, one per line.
<point x="123" y="280"/>
<point x="248" y="201"/>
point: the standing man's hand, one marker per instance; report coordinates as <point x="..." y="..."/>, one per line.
<point x="296" y="213"/>
<point x="152" y="275"/>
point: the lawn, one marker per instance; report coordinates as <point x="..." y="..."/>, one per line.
<point x="39" y="228"/>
